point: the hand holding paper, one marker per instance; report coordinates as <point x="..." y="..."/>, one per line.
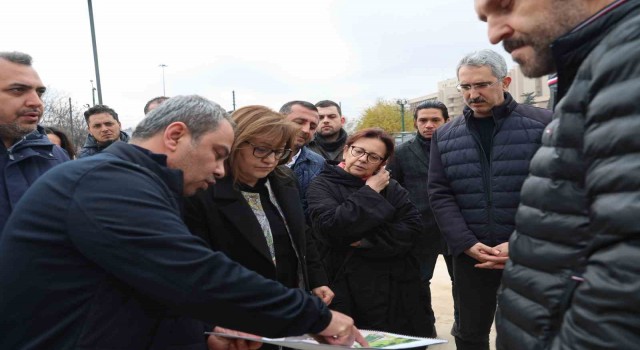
<point x="341" y="331"/>
<point x="215" y="342"/>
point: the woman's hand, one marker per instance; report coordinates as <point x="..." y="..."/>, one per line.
<point x="380" y="180"/>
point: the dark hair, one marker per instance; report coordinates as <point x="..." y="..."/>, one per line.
<point x="329" y="103"/>
<point x="432" y="104"/>
<point x="286" y="108"/>
<point x="157" y="100"/>
<point x="65" y="142"/>
<point x="373" y="133"/>
<point x="97" y="109"/>
<point x="16" y="57"/>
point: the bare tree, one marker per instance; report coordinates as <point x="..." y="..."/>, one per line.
<point x="61" y="112"/>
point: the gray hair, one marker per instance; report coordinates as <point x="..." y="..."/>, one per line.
<point x="199" y="114"/>
<point x="16" y="57"/>
<point x="489" y="58"/>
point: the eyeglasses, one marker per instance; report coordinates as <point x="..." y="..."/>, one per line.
<point x="476" y="86"/>
<point x="359" y="152"/>
<point x="264" y="152"/>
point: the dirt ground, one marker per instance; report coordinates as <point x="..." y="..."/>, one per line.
<point x="442" y="303"/>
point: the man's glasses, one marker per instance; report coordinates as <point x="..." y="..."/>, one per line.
<point x="359" y="152"/>
<point x="475" y="86"/>
<point x="264" y="152"/>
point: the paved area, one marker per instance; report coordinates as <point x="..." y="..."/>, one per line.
<point x="442" y="303"/>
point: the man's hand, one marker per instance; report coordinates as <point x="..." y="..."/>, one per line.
<point x="380" y="180"/>
<point x="221" y="343"/>
<point x="324" y="293"/>
<point x="489" y="258"/>
<point x="341" y="331"/>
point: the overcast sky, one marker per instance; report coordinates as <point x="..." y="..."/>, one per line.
<point x="269" y="52"/>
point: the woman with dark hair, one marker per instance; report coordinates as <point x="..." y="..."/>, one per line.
<point x="254" y="214"/>
<point x="58" y="137"/>
<point x="369" y="225"/>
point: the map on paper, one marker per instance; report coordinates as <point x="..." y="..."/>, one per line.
<point x="376" y="340"/>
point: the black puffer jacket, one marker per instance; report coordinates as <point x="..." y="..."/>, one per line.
<point x="573" y="281"/>
<point x="474" y="200"/>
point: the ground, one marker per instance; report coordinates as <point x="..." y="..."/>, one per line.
<point x="443" y="307"/>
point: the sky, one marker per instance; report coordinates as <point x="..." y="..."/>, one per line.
<point x="269" y="52"/>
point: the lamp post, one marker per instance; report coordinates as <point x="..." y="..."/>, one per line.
<point x="93" y="92"/>
<point x="162" y="65"/>
<point x="402" y="102"/>
<point x="95" y="51"/>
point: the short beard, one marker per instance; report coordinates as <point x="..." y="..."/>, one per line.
<point x="13" y="131"/>
<point x="566" y="16"/>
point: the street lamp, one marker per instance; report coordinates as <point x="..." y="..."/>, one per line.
<point x="95" y="52"/>
<point x="93" y="92"/>
<point x="162" y="65"/>
<point x="402" y="102"/>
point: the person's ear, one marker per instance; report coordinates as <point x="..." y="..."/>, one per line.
<point x="505" y="83"/>
<point x="175" y="133"/>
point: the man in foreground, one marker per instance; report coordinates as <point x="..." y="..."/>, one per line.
<point x="573" y="280"/>
<point x="104" y="269"/>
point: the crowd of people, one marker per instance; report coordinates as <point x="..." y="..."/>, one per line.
<point x="280" y="223"/>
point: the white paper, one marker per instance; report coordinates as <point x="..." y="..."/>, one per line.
<point x="376" y="339"/>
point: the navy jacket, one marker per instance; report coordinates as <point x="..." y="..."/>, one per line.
<point x="105" y="260"/>
<point x="23" y="163"/>
<point x="475" y="200"/>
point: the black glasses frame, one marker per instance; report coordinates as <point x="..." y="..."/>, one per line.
<point x="359" y="152"/>
<point x="263" y="152"/>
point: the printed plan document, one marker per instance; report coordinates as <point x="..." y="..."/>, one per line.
<point x="376" y="340"/>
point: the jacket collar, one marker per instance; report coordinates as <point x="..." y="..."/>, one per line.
<point x="571" y="49"/>
<point x="91" y="141"/>
<point x="36" y="138"/>
<point x="499" y="112"/>
<point x="331" y="146"/>
<point x="156" y="163"/>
